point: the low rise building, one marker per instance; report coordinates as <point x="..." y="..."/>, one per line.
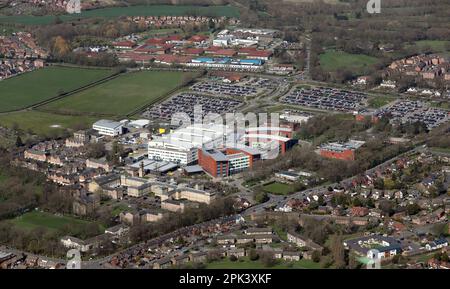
<point x="108" y="127"/>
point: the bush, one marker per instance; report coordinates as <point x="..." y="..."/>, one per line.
<point x="233" y="258"/>
<point x="316" y="256"/>
<point x="268" y="260"/>
<point x="261" y="197"/>
<point x="253" y="255"/>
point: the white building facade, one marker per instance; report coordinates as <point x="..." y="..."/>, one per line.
<point x="108" y="127"/>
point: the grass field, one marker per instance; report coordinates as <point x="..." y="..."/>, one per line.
<point x="333" y="60"/>
<point x="33" y="87"/>
<point x="379" y="101"/>
<point x="49" y="221"/>
<point x="42" y="123"/>
<point x="435" y="45"/>
<point x="142" y="10"/>
<point x="245" y="263"/>
<point x="278" y="188"/>
<point x="121" y="95"/>
<point x="441" y="150"/>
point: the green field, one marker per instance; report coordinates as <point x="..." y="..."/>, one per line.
<point x="42" y="123"/>
<point x="435" y="45"/>
<point x="380" y="101"/>
<point x="142" y="10"/>
<point x="333" y="60"/>
<point x="278" y="188"/>
<point x="245" y="263"/>
<point x="33" y="87"/>
<point x="121" y="95"/>
<point x="441" y="150"/>
<point x="49" y="221"/>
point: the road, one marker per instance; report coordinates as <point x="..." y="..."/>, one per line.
<point x="274" y="200"/>
<point x="278" y="201"/>
<point x="98" y="263"/>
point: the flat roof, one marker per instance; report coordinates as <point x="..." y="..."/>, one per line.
<point x="108" y="123"/>
<point x="192" y="136"/>
<point x="139" y="122"/>
<point x="193" y="169"/>
<point x="267" y="136"/>
<point x="155" y="165"/>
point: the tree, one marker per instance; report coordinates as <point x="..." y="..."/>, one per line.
<point x="96" y="150"/>
<point x="412" y="209"/>
<point x="253" y="255"/>
<point x="19" y="142"/>
<point x="116" y="153"/>
<point x="60" y="46"/>
<point x="267" y="259"/>
<point x="261" y="197"/>
<point x="315" y="257"/>
<point x="387" y="207"/>
<point x="338" y="251"/>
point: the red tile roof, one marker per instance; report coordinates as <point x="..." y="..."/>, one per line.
<point x="246" y="50"/>
<point x="170" y="58"/>
<point x="198" y="38"/>
<point x="260" y="53"/>
<point x="136" y="56"/>
<point x="193" y="51"/>
<point x="156" y="41"/>
<point x="225" y="52"/>
<point x="127" y="43"/>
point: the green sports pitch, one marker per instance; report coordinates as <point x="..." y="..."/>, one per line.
<point x="333" y="60"/>
<point x="140" y="10"/>
<point x="120" y="96"/>
<point x="45" y="220"/>
<point x="30" y="88"/>
<point x="44" y="124"/>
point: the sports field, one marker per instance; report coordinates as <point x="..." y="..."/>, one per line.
<point x="121" y="95"/>
<point x="49" y="221"/>
<point x="333" y="60"/>
<point x="141" y="10"/>
<point x="33" y="87"/>
<point x="278" y="188"/>
<point x="42" y="123"/>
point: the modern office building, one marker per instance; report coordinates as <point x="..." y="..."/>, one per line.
<point x="341" y="151"/>
<point x="182" y="145"/>
<point x="223" y="163"/>
<point x="108" y="127"/>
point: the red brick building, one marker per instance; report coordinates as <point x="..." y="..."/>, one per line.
<point x="227" y="162"/>
<point x="340" y="151"/>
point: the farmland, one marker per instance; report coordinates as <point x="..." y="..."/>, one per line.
<point x="334" y="60"/>
<point x="142" y="10"/>
<point x="42" y="123"/>
<point x="30" y="88"/>
<point x="121" y="95"/>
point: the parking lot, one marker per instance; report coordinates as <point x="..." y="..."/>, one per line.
<point x="415" y="111"/>
<point x="326" y="98"/>
<point x="185" y="102"/>
<point x="217" y="88"/>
